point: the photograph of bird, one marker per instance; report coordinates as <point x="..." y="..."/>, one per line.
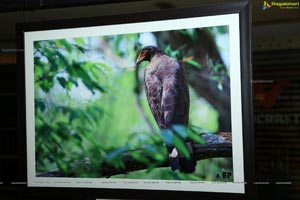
<point x="168" y="97"/>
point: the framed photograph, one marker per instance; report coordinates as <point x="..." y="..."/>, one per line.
<point x="157" y="101"/>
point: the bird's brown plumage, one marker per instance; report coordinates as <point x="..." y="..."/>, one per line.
<point x="166" y="88"/>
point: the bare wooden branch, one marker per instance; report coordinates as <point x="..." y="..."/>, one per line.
<point x="217" y="145"/>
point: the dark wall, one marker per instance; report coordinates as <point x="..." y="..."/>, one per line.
<point x="276" y="86"/>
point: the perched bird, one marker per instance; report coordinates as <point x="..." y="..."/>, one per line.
<point x="168" y="97"/>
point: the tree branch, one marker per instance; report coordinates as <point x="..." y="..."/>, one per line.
<point x="217" y="145"/>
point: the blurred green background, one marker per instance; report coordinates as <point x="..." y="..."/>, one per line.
<point x="90" y="104"/>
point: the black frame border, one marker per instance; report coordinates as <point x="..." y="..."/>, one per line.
<point x="241" y="7"/>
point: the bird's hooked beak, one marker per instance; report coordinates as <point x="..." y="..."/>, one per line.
<point x="141" y="57"/>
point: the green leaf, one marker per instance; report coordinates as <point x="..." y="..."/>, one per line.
<point x="69" y="85"/>
<point x="181" y="147"/>
<point x="99" y="87"/>
<point x="159" y="157"/>
<point x="218" y="67"/>
<point x="79" y="41"/>
<point x="183" y="32"/>
<point x="37" y="44"/>
<point x="62" y="81"/>
<point x="172" y="53"/>
<point x="63" y="131"/>
<point x="195" y="137"/>
<point x="115" y="158"/>
<point x="194" y="63"/>
<point x="95" y="112"/>
<point x="215" y="78"/>
<point x="74" y="114"/>
<point x="83" y="74"/>
<point x="103" y="65"/>
<point x="78" y="71"/>
<point x="39" y="104"/>
<point x="180" y="130"/>
<point x="66" y="44"/>
<point x="45" y="130"/>
<point x="62" y="165"/>
<point x="95" y="73"/>
<point x="154" y="152"/>
<point x="192" y="177"/>
<point x="117" y="43"/>
<point x="46" y="84"/>
<point x="139" y="157"/>
<point x="38" y="68"/>
<point x="89" y="85"/>
<point x="81" y="49"/>
<point x="76" y="136"/>
<point x="167" y="135"/>
<point x="222" y="29"/>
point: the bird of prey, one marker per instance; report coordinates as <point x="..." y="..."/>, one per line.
<point x="168" y="98"/>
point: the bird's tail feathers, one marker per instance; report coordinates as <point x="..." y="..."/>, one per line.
<point x="185" y="165"/>
<point x="174" y="161"/>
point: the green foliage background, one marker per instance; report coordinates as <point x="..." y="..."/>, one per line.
<point x="86" y="110"/>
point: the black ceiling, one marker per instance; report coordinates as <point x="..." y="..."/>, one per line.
<point x="22" y="5"/>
